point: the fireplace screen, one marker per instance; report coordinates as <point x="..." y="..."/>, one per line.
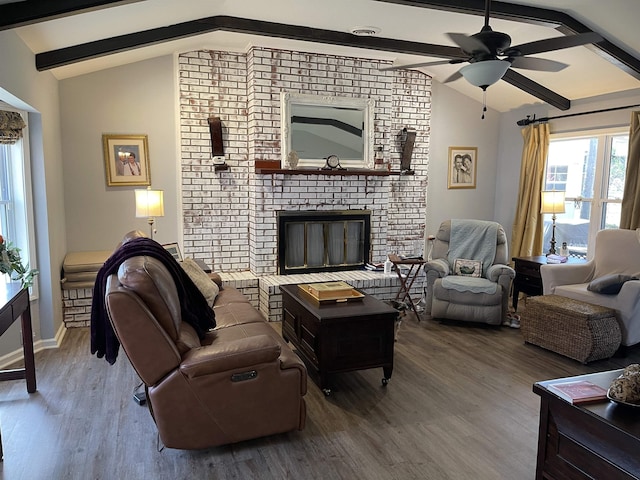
<point x="323" y="241"/>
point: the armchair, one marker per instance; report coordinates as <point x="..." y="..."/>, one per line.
<point x="451" y="294"/>
<point x="240" y="381"/>
<point x="616" y="252"/>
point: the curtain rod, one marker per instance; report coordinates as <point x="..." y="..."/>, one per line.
<point x="528" y="121"/>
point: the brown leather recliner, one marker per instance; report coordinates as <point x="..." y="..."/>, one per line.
<point x="241" y="382"/>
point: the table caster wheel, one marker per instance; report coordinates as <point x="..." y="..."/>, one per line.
<point x="326" y="391"/>
<point x="385" y="382"/>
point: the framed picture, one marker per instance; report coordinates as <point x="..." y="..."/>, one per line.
<point x="462" y="167"/>
<point x="126" y="159"/>
<point x="174" y="250"/>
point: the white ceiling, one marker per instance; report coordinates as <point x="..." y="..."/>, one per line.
<point x="588" y="74"/>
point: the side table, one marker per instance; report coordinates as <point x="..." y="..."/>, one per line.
<point x="407" y="277"/>
<point x="528" y="279"/>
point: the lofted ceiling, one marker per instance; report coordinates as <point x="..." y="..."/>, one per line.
<point x="75" y="37"/>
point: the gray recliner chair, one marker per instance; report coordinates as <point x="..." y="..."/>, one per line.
<point x="468" y="277"/>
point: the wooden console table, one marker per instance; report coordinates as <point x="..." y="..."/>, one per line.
<point x="597" y="441"/>
<point x="14" y="303"/>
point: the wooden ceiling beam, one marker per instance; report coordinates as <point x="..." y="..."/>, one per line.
<point x="28" y="12"/>
<point x="99" y="48"/>
<point x="77" y="53"/>
<point x="543" y="93"/>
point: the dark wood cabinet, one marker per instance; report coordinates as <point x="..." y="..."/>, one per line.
<point x="340" y="337"/>
<point x="596" y="441"/>
<point x="528" y="279"/>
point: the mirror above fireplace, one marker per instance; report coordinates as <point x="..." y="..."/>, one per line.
<point x="316" y="126"/>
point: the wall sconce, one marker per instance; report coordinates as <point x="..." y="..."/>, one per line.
<point x="552" y="202"/>
<point x="150" y="204"/>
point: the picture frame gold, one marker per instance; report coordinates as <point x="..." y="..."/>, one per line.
<point x="126" y="160"/>
<point x="463" y="164"/>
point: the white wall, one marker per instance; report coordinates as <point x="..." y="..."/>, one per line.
<point x="23" y="87"/>
<point x="456" y="122"/>
<point x="139" y="98"/>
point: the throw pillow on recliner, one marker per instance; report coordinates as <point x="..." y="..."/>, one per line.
<point x="609" y="284"/>
<point x="467" y="268"/>
<point x="206" y="285"/>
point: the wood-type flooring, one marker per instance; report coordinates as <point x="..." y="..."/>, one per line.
<point x="459" y="406"/>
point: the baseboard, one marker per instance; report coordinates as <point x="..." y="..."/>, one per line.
<point x="45" y="344"/>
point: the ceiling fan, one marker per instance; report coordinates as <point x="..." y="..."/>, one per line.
<point x="490" y="54"/>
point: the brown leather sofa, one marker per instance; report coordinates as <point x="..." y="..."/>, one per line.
<point x="241" y="381"/>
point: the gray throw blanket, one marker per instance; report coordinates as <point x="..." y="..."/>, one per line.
<point x="473" y="240"/>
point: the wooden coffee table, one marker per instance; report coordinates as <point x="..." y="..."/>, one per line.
<point x="339" y="337"/>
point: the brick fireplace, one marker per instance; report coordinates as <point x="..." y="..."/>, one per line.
<point x="231" y="216"/>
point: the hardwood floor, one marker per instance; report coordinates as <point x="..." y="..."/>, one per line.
<point x="459" y="406"/>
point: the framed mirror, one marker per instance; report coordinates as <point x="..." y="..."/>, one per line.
<point x="317" y="126"/>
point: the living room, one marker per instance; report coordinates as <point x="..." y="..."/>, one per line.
<point x="76" y="211"/>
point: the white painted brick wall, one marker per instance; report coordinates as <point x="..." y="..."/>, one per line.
<point x="230" y="216"/>
<point x="76" y="307"/>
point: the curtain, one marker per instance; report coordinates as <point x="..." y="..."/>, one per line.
<point x="11" y="125"/>
<point x="630" y="216"/>
<point x="526" y="236"/>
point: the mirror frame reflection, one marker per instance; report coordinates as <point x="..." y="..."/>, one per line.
<point x="326" y="109"/>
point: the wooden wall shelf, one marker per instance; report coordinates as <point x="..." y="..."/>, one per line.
<point x="346" y="172"/>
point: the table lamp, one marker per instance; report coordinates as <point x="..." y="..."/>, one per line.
<point x="552" y="202"/>
<point x="150" y="204"/>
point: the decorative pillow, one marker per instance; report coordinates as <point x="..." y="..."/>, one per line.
<point x="207" y="287"/>
<point x="467" y="268"/>
<point x="609" y="284"/>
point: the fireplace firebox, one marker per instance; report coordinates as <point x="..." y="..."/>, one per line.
<point x="317" y="241"/>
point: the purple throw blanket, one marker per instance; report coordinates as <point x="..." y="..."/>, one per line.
<point x="194" y="308"/>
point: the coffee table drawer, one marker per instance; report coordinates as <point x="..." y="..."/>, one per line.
<point x="301" y="331"/>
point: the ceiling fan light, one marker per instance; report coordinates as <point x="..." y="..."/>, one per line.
<point x="485" y="73"/>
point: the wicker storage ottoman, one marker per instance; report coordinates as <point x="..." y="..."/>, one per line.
<point x="575" y="329"/>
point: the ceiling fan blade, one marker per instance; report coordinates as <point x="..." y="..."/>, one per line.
<point x="557" y="43"/>
<point x="539" y="64"/>
<point x="453" y="77"/>
<point x="421" y="64"/>
<point x="468" y="44"/>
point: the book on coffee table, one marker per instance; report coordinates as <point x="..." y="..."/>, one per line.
<point x="579" y="391"/>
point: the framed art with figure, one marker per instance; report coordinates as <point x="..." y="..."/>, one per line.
<point x="126" y="160"/>
<point x="462" y="167"/>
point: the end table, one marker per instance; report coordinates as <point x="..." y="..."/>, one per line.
<point x="528" y="279"/>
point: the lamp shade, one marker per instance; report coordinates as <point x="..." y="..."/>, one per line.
<point x="552" y="201"/>
<point x="485" y="73"/>
<point x="149" y="203"/>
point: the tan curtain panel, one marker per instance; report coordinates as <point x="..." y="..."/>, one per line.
<point x="11" y="125"/>
<point x="526" y="237"/>
<point x="630" y="216"/>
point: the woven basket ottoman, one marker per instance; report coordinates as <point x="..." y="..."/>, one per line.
<point x="572" y="328"/>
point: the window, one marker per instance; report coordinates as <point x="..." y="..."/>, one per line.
<point x="590" y="169"/>
<point x="16" y="218"/>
